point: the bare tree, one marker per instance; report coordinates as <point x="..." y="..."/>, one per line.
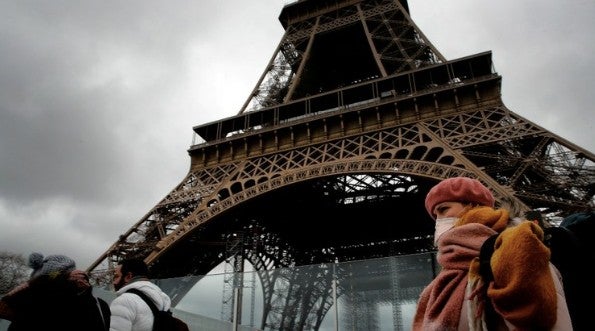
<point x="13" y="271"/>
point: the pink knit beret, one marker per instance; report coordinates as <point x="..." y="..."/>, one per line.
<point x="459" y="189"/>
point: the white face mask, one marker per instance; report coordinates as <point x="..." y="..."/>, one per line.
<point x="443" y="225"/>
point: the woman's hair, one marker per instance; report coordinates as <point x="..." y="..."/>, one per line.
<point x="515" y="208"/>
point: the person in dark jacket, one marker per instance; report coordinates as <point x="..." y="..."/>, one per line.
<point x="569" y="244"/>
<point x="582" y="225"/>
<point x="56" y="297"/>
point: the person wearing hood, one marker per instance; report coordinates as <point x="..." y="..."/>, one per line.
<point x="129" y="311"/>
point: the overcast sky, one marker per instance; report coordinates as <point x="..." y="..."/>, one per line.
<point x="98" y="98"/>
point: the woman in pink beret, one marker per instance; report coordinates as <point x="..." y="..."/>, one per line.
<point x="516" y="288"/>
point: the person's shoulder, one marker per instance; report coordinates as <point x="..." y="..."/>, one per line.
<point x="559" y="232"/>
<point x="157" y="295"/>
<point x="125" y="299"/>
<point x="560" y="236"/>
<point x="579" y="218"/>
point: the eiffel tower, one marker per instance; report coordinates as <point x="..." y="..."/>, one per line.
<point x="354" y="118"/>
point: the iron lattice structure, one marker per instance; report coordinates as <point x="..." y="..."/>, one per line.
<point x="356" y="116"/>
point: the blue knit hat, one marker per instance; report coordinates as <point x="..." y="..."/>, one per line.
<point x="50" y="264"/>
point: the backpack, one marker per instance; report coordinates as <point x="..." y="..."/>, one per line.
<point x="164" y="320"/>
